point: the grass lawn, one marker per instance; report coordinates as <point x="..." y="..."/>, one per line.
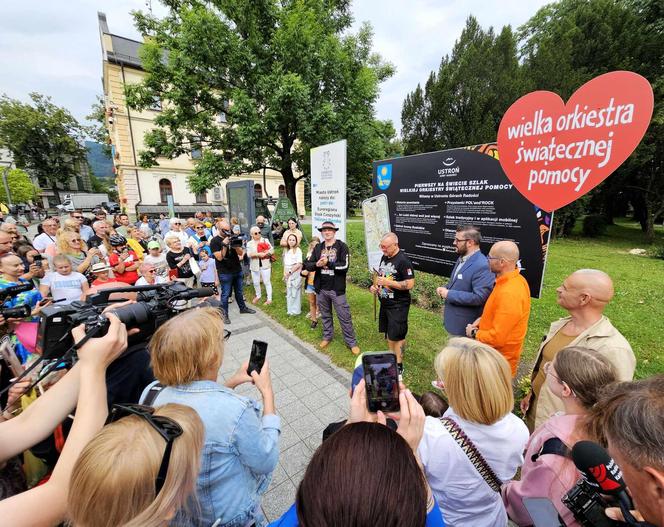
<point x="637" y="309"/>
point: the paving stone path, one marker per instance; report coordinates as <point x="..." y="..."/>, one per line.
<point x="310" y="393"/>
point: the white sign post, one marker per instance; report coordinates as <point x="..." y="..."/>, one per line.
<point x="328" y="187"/>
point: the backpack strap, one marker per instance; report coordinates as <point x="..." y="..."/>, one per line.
<point x="553" y="445"/>
<point x="473" y="454"/>
<point x="152" y="394"/>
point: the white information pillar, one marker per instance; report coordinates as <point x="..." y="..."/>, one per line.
<point x="328" y="187"/>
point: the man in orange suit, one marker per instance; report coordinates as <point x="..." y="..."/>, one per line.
<point x="504" y="321"/>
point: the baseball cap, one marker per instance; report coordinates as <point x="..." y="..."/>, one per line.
<point x="154" y="245"/>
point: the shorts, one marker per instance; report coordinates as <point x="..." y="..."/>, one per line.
<point x="310" y="289"/>
<point x="393" y="321"/>
<point x="211" y="285"/>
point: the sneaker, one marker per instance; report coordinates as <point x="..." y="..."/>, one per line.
<point x="226" y="319"/>
<point x="247" y="311"/>
<point x="230" y="299"/>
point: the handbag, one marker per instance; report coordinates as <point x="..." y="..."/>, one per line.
<point x="474" y="455"/>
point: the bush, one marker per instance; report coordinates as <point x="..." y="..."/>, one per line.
<point x="659" y="252"/>
<point x="594" y="225"/>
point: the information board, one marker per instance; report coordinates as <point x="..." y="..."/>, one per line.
<point x="430" y="194"/>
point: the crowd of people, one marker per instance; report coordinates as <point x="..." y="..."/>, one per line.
<point x="157" y="440"/>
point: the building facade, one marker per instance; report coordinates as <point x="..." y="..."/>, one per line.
<point x="150" y="190"/>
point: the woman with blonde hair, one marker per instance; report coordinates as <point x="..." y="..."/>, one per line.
<point x="478" y="425"/>
<point x="577" y="376"/>
<point x="260" y="251"/>
<point x="142" y="486"/>
<point x="69" y="225"/>
<point x="241" y="446"/>
<point x="71" y="245"/>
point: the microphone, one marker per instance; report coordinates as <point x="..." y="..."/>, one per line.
<point x="195" y="293"/>
<point x="603" y="474"/>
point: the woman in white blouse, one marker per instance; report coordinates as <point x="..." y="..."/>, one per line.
<point x="260" y="250"/>
<point x="478" y="383"/>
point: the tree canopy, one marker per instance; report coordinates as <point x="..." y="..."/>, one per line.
<point x="21" y="187"/>
<point x="257" y="84"/>
<point x="561" y="47"/>
<point x="42" y="137"/>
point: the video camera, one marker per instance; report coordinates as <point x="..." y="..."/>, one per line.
<point x="11" y="292"/>
<point x="155" y="305"/>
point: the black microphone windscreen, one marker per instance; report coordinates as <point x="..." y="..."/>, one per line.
<point x="598" y="467"/>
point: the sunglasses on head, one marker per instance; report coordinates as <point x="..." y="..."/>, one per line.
<point x="165" y="426"/>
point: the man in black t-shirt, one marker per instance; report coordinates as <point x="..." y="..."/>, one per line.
<point x="228" y="260"/>
<point x="393" y="284"/>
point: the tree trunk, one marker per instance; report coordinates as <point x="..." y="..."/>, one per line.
<point x="289" y="183"/>
<point x="650" y="227"/>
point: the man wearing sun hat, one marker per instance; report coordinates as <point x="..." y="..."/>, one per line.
<point x="330" y="260"/>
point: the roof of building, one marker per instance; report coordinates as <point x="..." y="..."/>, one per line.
<point x="125" y="51"/>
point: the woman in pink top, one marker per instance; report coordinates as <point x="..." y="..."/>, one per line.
<point x="576" y="376"/>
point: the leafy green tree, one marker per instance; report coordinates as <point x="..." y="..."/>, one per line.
<point x="285" y="76"/>
<point x="21" y="187"/>
<point x="463" y="102"/>
<point x="566" y="44"/>
<point x="42" y="137"/>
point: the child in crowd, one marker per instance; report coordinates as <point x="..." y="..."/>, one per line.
<point x="576" y="376"/>
<point x="64" y="284"/>
<point x="309" y="288"/>
<point x="157" y="258"/>
<point x="292" y="268"/>
<point x="208" y="276"/>
<point x="102" y="275"/>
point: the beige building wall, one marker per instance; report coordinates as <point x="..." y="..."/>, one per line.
<point x="127" y="128"/>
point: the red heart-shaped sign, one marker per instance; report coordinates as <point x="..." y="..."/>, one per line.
<point x="554" y="152"/>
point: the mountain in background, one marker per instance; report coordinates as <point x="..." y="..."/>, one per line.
<point x="100" y="164"/>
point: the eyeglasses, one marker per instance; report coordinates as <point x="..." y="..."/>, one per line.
<point x="200" y="227"/>
<point x="75" y="240"/>
<point x="459" y="240"/>
<point x="77" y="217"/>
<point x="165" y="426"/>
<point x="493" y="257"/>
<point x="151" y="270"/>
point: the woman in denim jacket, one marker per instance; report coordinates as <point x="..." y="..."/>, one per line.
<point x="241" y="447"/>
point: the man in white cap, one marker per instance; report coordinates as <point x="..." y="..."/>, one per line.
<point x="330" y="260"/>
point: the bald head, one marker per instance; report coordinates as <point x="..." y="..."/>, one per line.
<point x="506" y="250"/>
<point x="597" y="284"/>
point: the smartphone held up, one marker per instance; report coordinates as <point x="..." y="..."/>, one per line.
<point x="257" y="357"/>
<point x="381" y="378"/>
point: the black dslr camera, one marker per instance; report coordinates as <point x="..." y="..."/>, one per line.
<point x="11" y="292"/>
<point x="588" y="505"/>
<point x="156" y="304"/>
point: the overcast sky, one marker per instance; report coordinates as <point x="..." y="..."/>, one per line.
<point x="53" y="47"/>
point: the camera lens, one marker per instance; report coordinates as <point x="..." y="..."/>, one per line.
<point x="16" y="312"/>
<point x="133" y="314"/>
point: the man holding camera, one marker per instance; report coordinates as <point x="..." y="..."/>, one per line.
<point x="228" y="253"/>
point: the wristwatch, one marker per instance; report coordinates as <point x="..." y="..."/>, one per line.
<point x="473" y="333"/>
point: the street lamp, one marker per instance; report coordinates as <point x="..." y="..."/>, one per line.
<point x="7" y="163"/>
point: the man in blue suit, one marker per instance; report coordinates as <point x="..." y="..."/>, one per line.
<point x="471" y="282"/>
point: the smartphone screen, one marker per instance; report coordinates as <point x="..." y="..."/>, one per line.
<point x="257" y="357"/>
<point x="376" y="215"/>
<point x="542" y="512"/>
<point x="382" y="381"/>
<point x="37" y="260"/>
